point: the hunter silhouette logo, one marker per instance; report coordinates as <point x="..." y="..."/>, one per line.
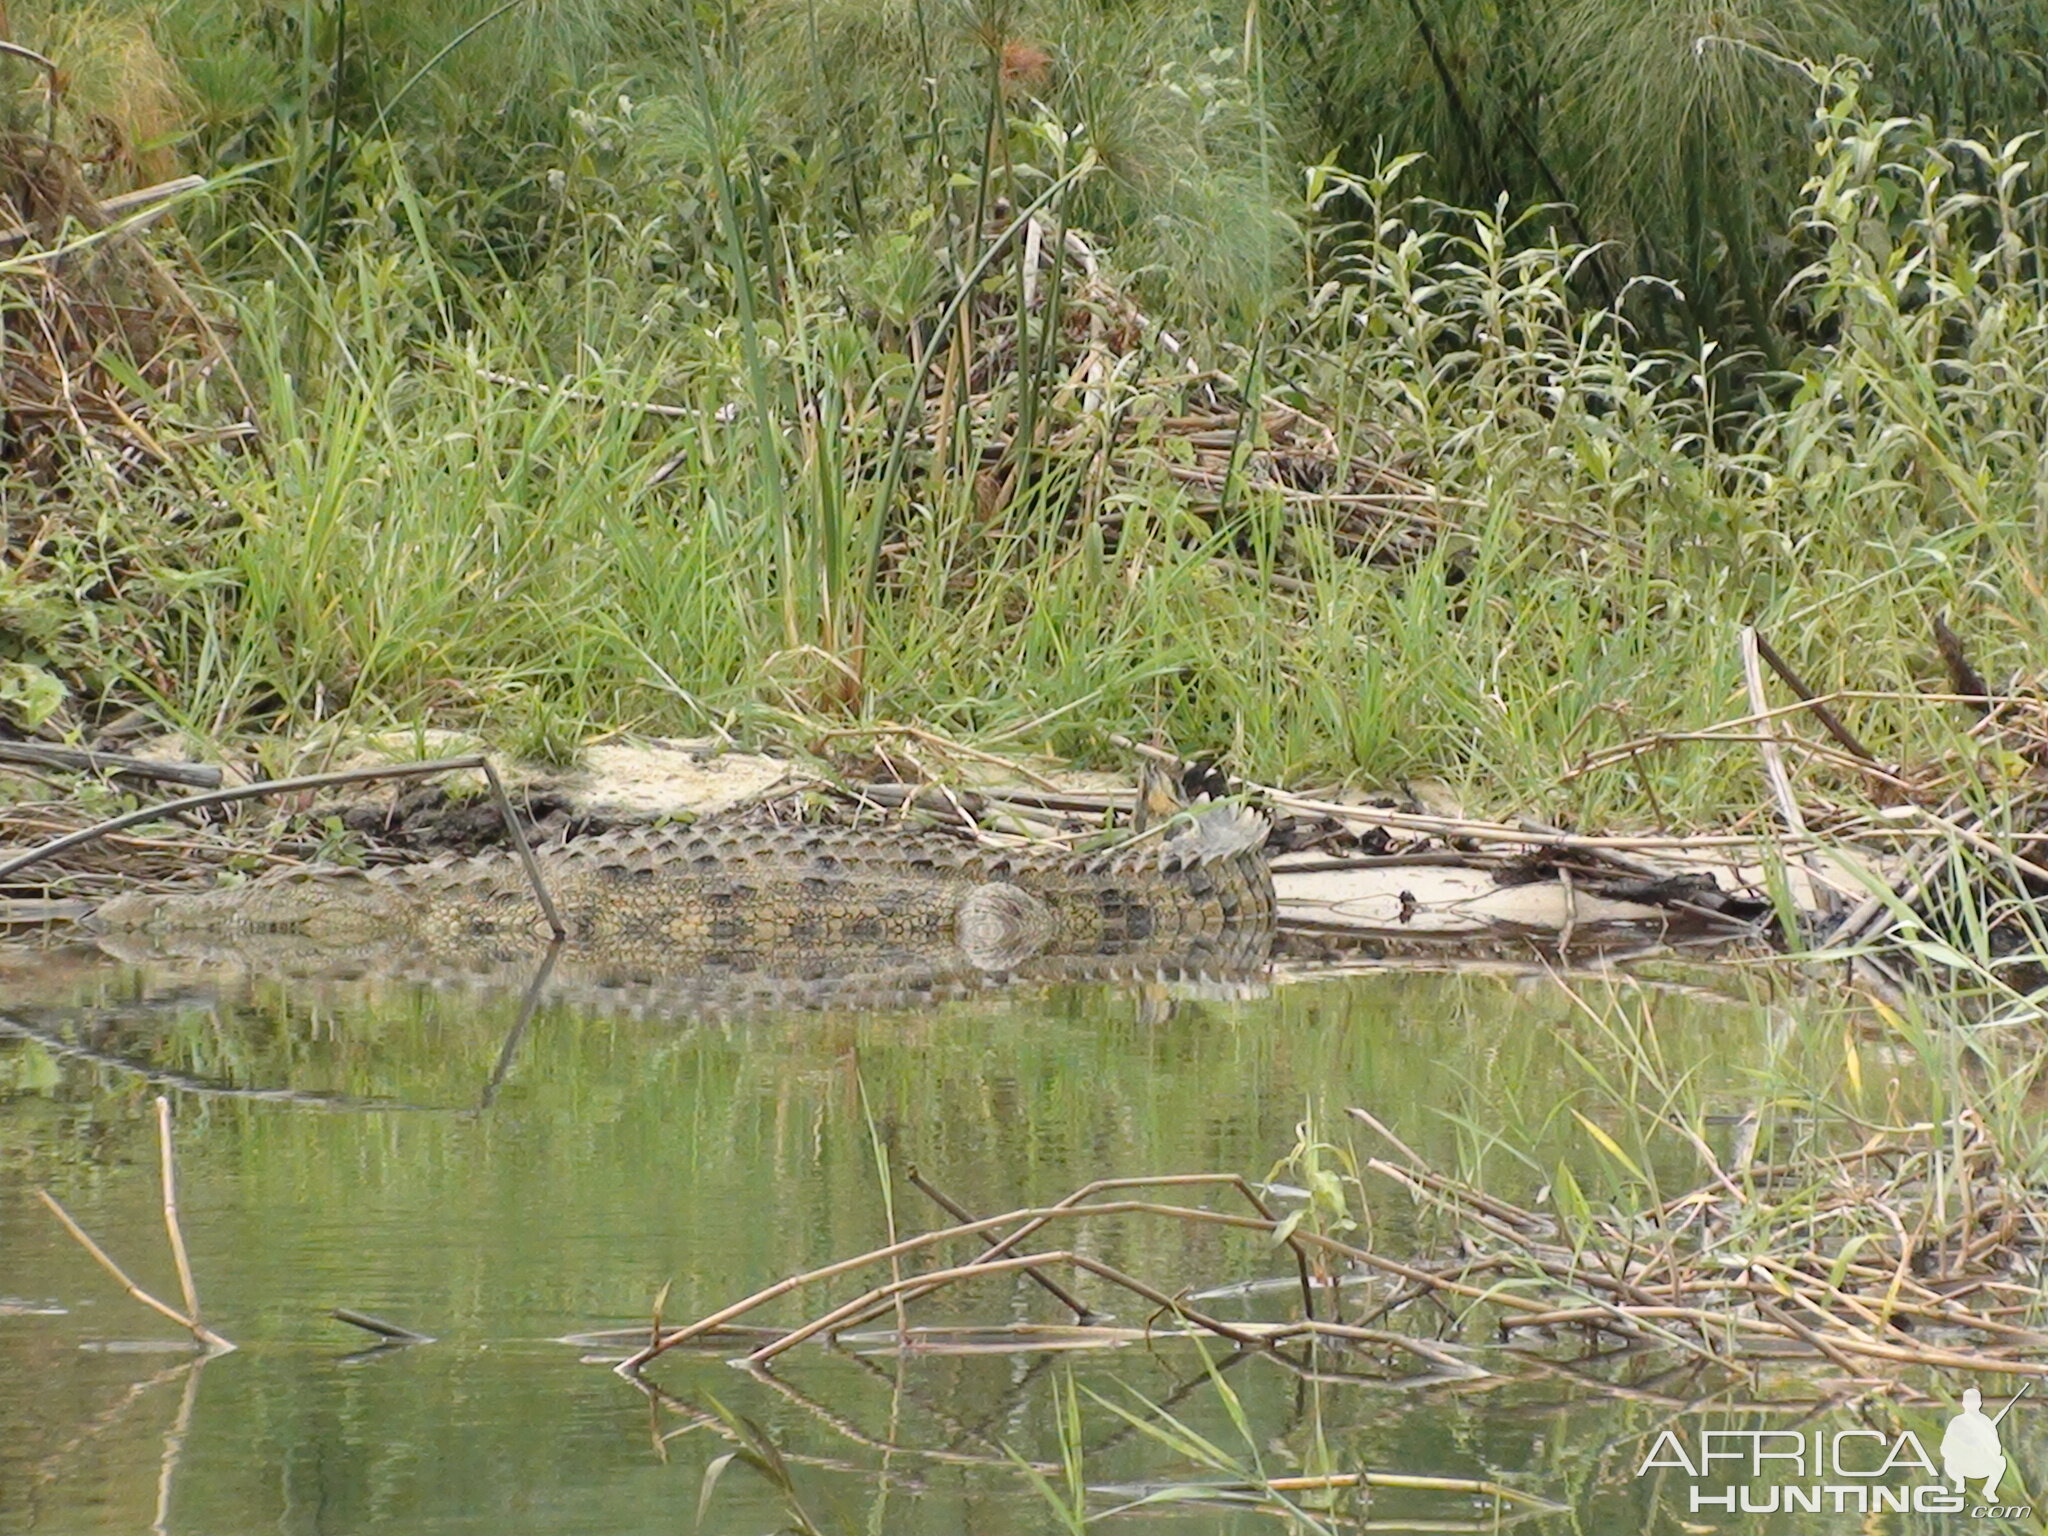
<point x="1855" y="1470"/>
<point x="1969" y="1447"/>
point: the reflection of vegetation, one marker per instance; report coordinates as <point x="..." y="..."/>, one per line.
<point x="1817" y="1228"/>
<point x="203" y="1338"/>
<point x="623" y="1152"/>
<point x="1100" y="1085"/>
<point x="1314" y="1495"/>
<point x="762" y="1116"/>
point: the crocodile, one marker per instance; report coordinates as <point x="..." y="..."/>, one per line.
<point x="749" y="916"/>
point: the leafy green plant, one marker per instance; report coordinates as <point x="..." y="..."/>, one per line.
<point x="1670" y="132"/>
<point x="755" y="1449"/>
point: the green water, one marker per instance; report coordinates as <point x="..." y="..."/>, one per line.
<point x="500" y="1189"/>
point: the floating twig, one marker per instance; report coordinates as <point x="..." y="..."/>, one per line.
<point x="933" y="1280"/>
<point x="391" y="1332"/>
<point x="1083" y="1313"/>
<point x="1076" y="1204"/>
<point x="1912" y="1248"/>
<point x="1331" y="1482"/>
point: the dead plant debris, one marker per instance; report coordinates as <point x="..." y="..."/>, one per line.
<point x="1921" y="1246"/>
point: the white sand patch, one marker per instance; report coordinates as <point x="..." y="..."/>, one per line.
<point x="649" y="780"/>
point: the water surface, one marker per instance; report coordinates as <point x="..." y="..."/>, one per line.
<point x="415" y="1154"/>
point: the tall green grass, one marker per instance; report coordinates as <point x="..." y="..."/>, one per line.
<point x="421" y="540"/>
<point x="1675" y="129"/>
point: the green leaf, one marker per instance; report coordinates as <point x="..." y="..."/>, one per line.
<point x="712" y="1473"/>
<point x="1847" y="1256"/>
<point x="1612" y="1147"/>
<point x="28" y="694"/>
<point x="1569" y="1201"/>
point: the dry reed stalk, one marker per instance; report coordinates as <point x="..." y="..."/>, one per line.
<point x="1032" y="1220"/>
<point x="1336" y="1480"/>
<point x="173" y="1230"/>
<point x="1074" y="1204"/>
<point x="112" y="764"/>
<point x="1870" y="1258"/>
<point x="1806" y="878"/>
<point x="214" y="1342"/>
<point x="1830" y="721"/>
<point x="924" y="1284"/>
<point x="1083" y="1314"/>
<point x="391" y="1333"/>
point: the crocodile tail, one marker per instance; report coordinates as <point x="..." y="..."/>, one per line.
<point x="1215" y="834"/>
<point x="124" y="913"/>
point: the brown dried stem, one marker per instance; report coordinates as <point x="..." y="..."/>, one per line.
<point x="921" y="1285"/>
<point x="168" y="1169"/>
<point x="1083" y="1313"/>
<point x="202" y="1334"/>
<point x="1298" y="1242"/>
<point x="1830" y="721"/>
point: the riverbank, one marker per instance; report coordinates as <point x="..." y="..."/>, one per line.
<point x="1913" y="896"/>
<point x="1454" y="529"/>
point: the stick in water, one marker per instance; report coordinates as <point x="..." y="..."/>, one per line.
<point x="203" y="1334"/>
<point x="176" y="1233"/>
<point x="393" y="1333"/>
